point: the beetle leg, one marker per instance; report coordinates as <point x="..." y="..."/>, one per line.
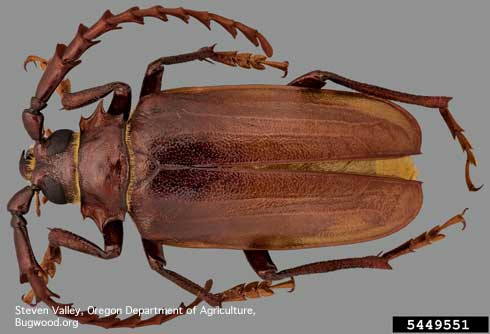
<point x="425" y="238"/>
<point x="113" y="238"/>
<point x="18" y="206"/>
<point x="66" y="57"/>
<point x="63" y="87"/>
<point x="52" y="256"/>
<point x="261" y="261"/>
<point x="317" y="79"/>
<point x="154" y="73"/>
<point x="156" y="259"/>
<point x="38" y="279"/>
<point x="30" y="270"/>
<point x="120" y="104"/>
<point x="257" y="261"/>
<point x="254" y="290"/>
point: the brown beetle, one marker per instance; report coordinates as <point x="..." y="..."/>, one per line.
<point x="250" y="167"/>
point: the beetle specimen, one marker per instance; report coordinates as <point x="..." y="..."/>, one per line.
<point x="249" y="167"/>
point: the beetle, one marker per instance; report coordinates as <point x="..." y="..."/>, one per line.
<point x="247" y="167"/>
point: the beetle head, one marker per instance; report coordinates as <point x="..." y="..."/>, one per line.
<point x="51" y="165"/>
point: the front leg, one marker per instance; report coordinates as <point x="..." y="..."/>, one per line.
<point x="113" y="239"/>
<point x="30" y="270"/>
<point x="120" y="104"/>
<point x="152" y="81"/>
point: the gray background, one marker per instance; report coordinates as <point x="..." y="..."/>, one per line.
<point x="426" y="47"/>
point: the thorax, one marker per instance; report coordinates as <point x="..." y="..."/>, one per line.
<point x="103" y="167"/>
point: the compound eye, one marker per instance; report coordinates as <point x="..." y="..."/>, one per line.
<point x="58" y="141"/>
<point x="53" y="190"/>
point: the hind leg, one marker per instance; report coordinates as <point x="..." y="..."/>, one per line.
<point x="265" y="268"/>
<point x="317" y="79"/>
